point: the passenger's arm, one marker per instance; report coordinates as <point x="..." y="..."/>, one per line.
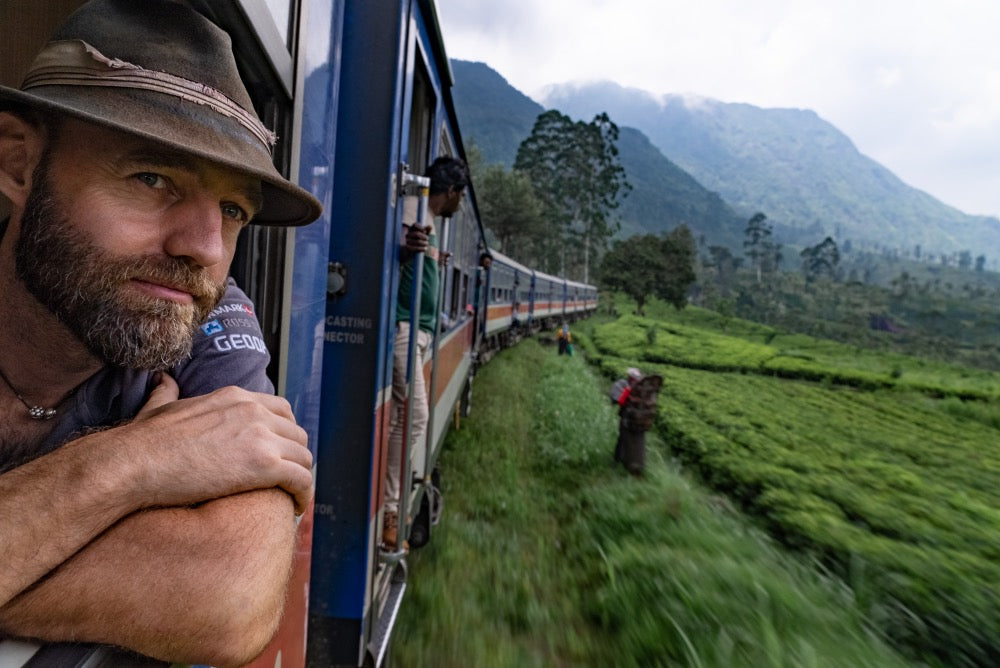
<point x="193" y="585"/>
<point x="175" y="453"/>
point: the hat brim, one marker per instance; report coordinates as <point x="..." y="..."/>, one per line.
<point x="169" y="122"/>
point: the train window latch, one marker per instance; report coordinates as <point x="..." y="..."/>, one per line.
<point x="336" y="280"/>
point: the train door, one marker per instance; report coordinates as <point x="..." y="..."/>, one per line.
<point x="385" y="131"/>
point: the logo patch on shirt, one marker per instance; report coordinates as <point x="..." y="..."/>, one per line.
<point x="231" y="342"/>
<point x="212" y="327"/>
<point x="237" y="323"/>
<point x="231" y="308"/>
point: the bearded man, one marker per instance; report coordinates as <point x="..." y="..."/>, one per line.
<point x="133" y="512"/>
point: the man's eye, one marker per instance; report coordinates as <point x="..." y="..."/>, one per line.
<point x="152" y="180"/>
<point x="235" y="212"/>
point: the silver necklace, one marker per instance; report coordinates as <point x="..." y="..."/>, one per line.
<point x="35" y="412"/>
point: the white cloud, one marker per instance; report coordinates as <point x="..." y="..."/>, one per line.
<point x="914" y="83"/>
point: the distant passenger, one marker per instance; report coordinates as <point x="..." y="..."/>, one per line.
<point x="564" y="339"/>
<point x="449" y="179"/>
<point x="131" y="159"/>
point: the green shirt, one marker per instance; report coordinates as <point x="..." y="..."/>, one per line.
<point x="428" y="288"/>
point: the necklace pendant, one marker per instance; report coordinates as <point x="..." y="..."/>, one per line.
<point x="39" y="413"/>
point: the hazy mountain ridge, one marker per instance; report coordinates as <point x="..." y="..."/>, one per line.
<point x="496" y="117"/>
<point x="801" y="171"/>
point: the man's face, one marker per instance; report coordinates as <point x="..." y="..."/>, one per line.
<point x="129" y="252"/>
<point x="452" y="202"/>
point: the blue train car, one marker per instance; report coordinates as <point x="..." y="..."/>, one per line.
<point x="580" y="301"/>
<point x="507" y="304"/>
<point x="398" y="118"/>
<point x="548" y="301"/>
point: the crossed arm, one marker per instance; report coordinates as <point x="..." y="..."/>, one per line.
<point x="172" y="536"/>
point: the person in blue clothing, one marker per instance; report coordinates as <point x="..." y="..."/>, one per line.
<point x="149" y="478"/>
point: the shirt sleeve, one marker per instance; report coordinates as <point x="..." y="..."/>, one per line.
<point x="228" y="349"/>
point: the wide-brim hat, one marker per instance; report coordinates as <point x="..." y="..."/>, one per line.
<point x="159" y="70"/>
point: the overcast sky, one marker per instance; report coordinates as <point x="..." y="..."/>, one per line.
<point x="915" y="84"/>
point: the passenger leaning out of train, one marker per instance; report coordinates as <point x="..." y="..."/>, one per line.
<point x="132" y="513"/>
<point x="449" y="178"/>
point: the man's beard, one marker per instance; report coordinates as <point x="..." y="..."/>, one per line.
<point x="86" y="288"/>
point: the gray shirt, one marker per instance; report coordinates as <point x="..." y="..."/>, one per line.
<point x="228" y="349"/>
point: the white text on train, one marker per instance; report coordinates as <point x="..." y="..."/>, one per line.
<point x="348" y="321"/>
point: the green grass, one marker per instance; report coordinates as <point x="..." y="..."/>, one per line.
<point x="549" y="555"/>
<point x="891" y="484"/>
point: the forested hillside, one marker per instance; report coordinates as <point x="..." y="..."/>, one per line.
<point x="802" y="172"/>
<point x="496" y="118"/>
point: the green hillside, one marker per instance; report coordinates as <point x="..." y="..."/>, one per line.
<point x="497" y="118"/>
<point x="665" y="196"/>
<point x="493" y="115"/>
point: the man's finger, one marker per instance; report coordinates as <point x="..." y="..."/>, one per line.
<point x="166" y="390"/>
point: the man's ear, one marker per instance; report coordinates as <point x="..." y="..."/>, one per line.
<point x="21" y="147"/>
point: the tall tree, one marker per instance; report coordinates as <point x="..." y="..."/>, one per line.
<point x="646" y="265"/>
<point x="576" y="172"/>
<point x="510" y="209"/>
<point x="821" y="260"/>
<point x="757" y="241"/>
<point x="633" y="266"/>
<point x="725" y="265"/>
<point x="679" y="253"/>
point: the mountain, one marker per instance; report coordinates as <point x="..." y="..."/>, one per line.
<point x="496" y="117"/>
<point x="663" y="196"/>
<point x="790" y="164"/>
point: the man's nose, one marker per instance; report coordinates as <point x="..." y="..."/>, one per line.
<point x="194" y="230"/>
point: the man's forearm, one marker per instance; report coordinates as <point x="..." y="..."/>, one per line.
<point x="199" y="585"/>
<point x="53" y="506"/>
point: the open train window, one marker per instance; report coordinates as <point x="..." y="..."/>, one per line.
<point x="421" y="119"/>
<point x="459" y="294"/>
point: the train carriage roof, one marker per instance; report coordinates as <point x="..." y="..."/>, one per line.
<point x="549" y="277"/>
<point x="500" y="258"/>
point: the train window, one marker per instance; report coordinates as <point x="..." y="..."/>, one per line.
<point x="281" y="12"/>
<point x="466" y="280"/>
<point x="447" y="146"/>
<point x="456" y="293"/>
<point x="421" y="120"/>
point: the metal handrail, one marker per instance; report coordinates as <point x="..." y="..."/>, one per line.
<point x="435" y="345"/>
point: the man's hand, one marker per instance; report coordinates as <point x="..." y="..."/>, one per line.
<point x="191" y="450"/>
<point x="417" y="238"/>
